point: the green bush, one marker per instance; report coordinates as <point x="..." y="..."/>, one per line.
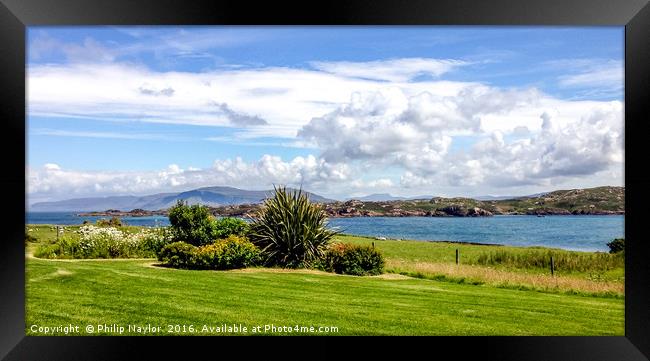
<point x="230" y="253"/>
<point x="192" y="224"/>
<point x="67" y="246"/>
<point x="30" y="239"/>
<point x="617" y="245"/>
<point x="290" y="230"/>
<point x="47" y="251"/>
<point x="178" y="254"/>
<point x="353" y="259"/>
<point x="228" y="226"/>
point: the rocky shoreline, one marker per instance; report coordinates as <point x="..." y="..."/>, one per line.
<point x="351" y="211"/>
<point x="593" y="201"/>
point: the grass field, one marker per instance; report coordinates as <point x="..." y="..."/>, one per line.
<point x="136" y="292"/>
<point x="437" y="260"/>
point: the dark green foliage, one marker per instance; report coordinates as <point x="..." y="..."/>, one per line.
<point x="617" y="245"/>
<point x="230" y="253"/>
<point x="290" y="230"/>
<point x="353" y="259"/>
<point x="177" y="254"/>
<point x="30" y="239"/>
<point x="192" y="224"/>
<point x="113" y="222"/>
<point x="227" y="226"/>
<point x="540" y="258"/>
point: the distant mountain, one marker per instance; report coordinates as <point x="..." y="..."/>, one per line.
<point x="209" y="196"/>
<point x="501" y="198"/>
<point x="378" y="197"/>
<point x="385" y="197"/>
<point x="493" y="198"/>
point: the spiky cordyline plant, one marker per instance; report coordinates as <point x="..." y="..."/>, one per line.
<point x="290" y="230"/>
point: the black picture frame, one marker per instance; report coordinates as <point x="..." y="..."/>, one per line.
<point x="16" y="15"/>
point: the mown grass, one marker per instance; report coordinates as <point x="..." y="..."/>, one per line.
<point x="123" y="292"/>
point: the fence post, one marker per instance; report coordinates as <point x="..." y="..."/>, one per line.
<point x="552" y="266"/>
<point x="456" y="255"/>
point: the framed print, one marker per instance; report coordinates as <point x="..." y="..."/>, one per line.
<point x="468" y="172"/>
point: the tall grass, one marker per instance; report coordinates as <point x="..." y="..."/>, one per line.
<point x="474" y="274"/>
<point x="563" y="261"/>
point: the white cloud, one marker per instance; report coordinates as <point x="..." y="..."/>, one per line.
<point x="395" y="70"/>
<point x="553" y="139"/>
<point x="54" y="182"/>
<point x="604" y="75"/>
<point x="591" y="77"/>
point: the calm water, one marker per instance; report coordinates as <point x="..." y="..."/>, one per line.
<point x="586" y="233"/>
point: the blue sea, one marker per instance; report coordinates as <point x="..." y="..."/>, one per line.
<point x="583" y="233"/>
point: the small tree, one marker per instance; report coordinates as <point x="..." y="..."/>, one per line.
<point x="191" y="224"/>
<point x="290" y="230"/>
<point x="617" y="245"/>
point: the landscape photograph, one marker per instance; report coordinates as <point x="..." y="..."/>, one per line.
<point x="325" y="181"/>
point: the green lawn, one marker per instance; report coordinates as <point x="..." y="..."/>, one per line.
<point x="127" y="292"/>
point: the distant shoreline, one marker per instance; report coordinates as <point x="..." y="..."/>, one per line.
<point x="164" y="213"/>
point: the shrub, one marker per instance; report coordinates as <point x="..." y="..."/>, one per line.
<point x="191" y="224"/>
<point x="227" y="226"/>
<point x="290" y="230"/>
<point x="153" y="240"/>
<point x="353" y="259"/>
<point x="66" y="246"/>
<point x="230" y="253"/>
<point x="47" y="251"/>
<point x="113" y="222"/>
<point x="177" y="254"/>
<point x="617" y="245"/>
<point x="30" y="239"/>
<point x="106" y="242"/>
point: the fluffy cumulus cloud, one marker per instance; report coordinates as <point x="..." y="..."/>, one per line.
<point x="52" y="181"/>
<point x="513" y="147"/>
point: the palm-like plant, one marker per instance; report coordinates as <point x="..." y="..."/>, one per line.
<point x="290" y="230"/>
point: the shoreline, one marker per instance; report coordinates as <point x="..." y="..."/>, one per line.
<point x="164" y="214"/>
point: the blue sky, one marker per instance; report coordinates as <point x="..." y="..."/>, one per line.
<point x="179" y="107"/>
